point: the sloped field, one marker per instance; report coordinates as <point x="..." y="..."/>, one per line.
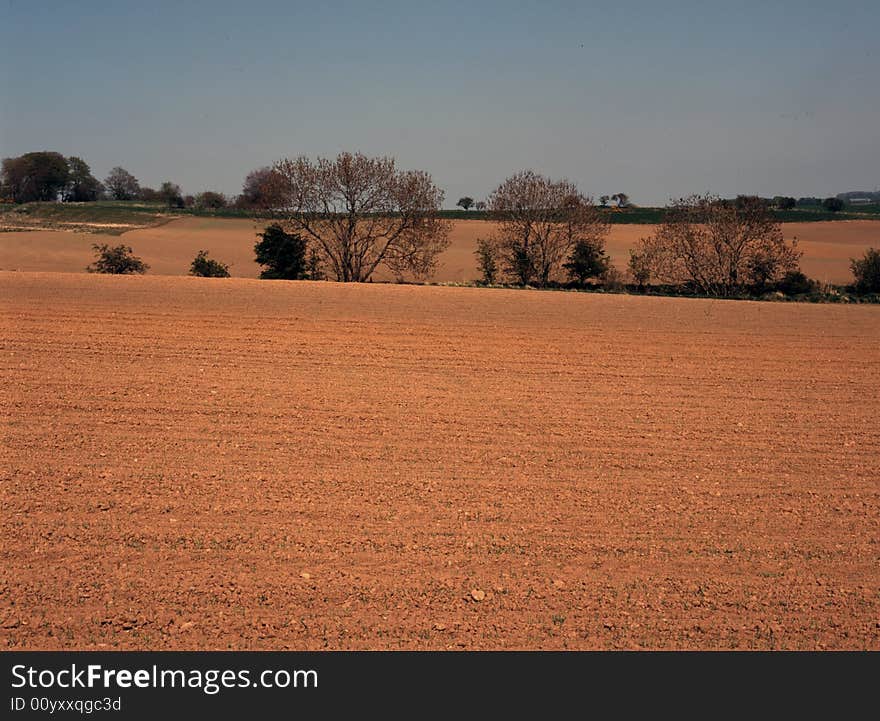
<point x="170" y="248"/>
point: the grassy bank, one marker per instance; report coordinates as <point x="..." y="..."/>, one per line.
<point x="116" y="217"/>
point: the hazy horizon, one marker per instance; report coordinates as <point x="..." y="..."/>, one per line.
<point x="654" y="102"/>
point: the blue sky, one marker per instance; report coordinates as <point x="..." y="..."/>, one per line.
<point x="653" y="99"/>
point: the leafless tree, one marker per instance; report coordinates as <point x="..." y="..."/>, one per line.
<point x="540" y="222"/>
<point x="639" y="267"/>
<point x="719" y="247"/>
<point x="362" y="213"/>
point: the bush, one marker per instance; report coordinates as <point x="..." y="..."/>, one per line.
<point x="487" y="261"/>
<point x="612" y="280"/>
<point x="117" y="261"/>
<point x="796" y="283"/>
<point x="520" y="264"/>
<point x="587" y="260"/>
<point x="282" y="254"/>
<point x="866" y="271"/>
<point x="206" y="267"/>
<point x="639" y="267"/>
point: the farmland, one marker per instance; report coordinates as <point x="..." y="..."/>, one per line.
<point x="169" y="244"/>
<point x="192" y="463"/>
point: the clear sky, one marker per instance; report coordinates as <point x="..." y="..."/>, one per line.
<point x="655" y="99"/>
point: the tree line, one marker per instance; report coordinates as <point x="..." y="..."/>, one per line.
<point x="49" y="176"/>
<point x="350" y="215"/>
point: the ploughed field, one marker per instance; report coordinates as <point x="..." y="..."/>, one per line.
<point x="170" y="248"/>
<point x="191" y="463"/>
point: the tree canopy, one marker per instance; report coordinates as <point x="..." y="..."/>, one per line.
<point x="540" y="222"/>
<point x="116" y="260"/>
<point x="718" y="247"/>
<point x="360" y="213"/>
<point x="282" y="255"/>
<point x="37" y="176"/>
<point x="121" y="185"/>
<point x="82" y="186"/>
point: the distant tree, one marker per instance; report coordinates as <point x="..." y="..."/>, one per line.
<point x="282" y="254"/>
<point x="206" y="267"/>
<point x="34" y="176"/>
<point x="784" y="203"/>
<point x="121" y="184"/>
<point x="117" y="260"/>
<point x="189" y="201"/>
<point x="487" y="261"/>
<point x="465" y="203"/>
<point x="806" y="201"/>
<point x="211" y="200"/>
<point x="260" y="189"/>
<point x="866" y="271"/>
<point x="587" y="260"/>
<point x="82" y="186"/>
<point x="750" y="201"/>
<point x="833" y="205"/>
<point x="149" y="195"/>
<point x="481" y="206"/>
<point x="540" y="222"/>
<point x="170" y="194"/>
<point x="361" y="213"/>
<point x="603" y="200"/>
<point x="622" y="199"/>
<point x="717" y="247"/>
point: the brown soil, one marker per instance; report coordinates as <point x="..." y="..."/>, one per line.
<point x="190" y="463"/>
<point x="170" y="248"/>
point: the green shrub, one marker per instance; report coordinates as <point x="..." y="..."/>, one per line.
<point x="796" y="283"/>
<point x="487" y="261"/>
<point x="206" y="267"/>
<point x="117" y="260"/>
<point x="283" y="255"/>
<point x="521" y="265"/>
<point x="587" y="260"/>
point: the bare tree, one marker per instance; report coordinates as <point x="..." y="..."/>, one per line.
<point x="362" y="213"/>
<point x="540" y="222"/>
<point x="639" y="267"/>
<point x="719" y="247"/>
